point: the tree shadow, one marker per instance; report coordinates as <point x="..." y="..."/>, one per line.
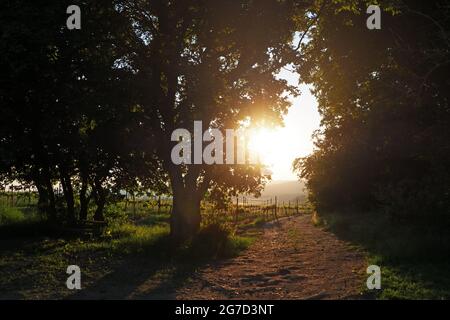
<point x="154" y="273"/>
<point x="159" y="270"/>
<point x="28" y="236"/>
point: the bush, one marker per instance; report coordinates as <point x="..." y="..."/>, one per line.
<point x="10" y="215"/>
<point x="211" y="240"/>
<point x="379" y="233"/>
<point x="114" y="214"/>
<point x="415" y="202"/>
<point x="217" y="241"/>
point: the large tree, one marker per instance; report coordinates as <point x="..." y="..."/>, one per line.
<point x="383" y="95"/>
<point x="96" y="107"/>
<point x="215" y="62"/>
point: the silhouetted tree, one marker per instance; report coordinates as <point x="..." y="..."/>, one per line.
<point x="384" y="99"/>
<point x="214" y="61"/>
<point x="64" y="98"/>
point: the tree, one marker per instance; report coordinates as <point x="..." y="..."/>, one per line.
<point x="216" y="62"/>
<point x="111" y="94"/>
<point x="65" y="99"/>
<point x="384" y="138"/>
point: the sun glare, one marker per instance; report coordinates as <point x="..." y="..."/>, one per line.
<point x="278" y="147"/>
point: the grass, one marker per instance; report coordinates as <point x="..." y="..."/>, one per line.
<point x="414" y="260"/>
<point x="409" y="280"/>
<point x="33" y="265"/>
<point x="34" y="257"/>
<point x="9" y="215"/>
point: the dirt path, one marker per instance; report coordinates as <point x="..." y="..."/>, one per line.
<point x="292" y="260"/>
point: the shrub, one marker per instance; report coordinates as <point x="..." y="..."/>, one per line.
<point x="10" y="215"/>
<point x="217" y="241"/>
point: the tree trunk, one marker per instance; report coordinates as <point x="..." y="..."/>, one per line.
<point x="43" y="196"/>
<point x="68" y="194"/>
<point x="43" y="183"/>
<point x="42" y="176"/>
<point x="51" y="205"/>
<point x="185" y="219"/>
<point x="46" y="201"/>
<point x="100" y="200"/>
<point x="84" y="200"/>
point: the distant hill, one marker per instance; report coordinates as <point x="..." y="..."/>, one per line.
<point x="285" y="190"/>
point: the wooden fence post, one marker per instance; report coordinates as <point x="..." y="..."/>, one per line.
<point x="159" y="204"/>
<point x="276" y="205"/>
<point x="237" y="210"/>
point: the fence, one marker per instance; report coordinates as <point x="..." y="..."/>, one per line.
<point x="242" y="207"/>
<point x="18" y="199"/>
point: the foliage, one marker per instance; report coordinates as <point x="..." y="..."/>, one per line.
<point x="92" y="110"/>
<point x="384" y="99"/>
<point x="379" y="174"/>
<point x="63" y="101"/>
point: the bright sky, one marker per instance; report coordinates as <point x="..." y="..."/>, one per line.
<point x="279" y="147"/>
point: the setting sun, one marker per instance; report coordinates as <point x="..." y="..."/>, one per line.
<point x="278" y="147"/>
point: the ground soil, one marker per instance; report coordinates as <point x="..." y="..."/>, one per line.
<point x="292" y="260"/>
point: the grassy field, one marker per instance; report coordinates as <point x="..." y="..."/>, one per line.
<point x="414" y="261"/>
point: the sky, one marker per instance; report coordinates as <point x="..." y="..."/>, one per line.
<point x="282" y="145"/>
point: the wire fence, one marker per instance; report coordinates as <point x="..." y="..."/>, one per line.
<point x="241" y="207"/>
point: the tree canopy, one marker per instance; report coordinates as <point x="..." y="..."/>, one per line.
<point x="384" y="99"/>
<point x="92" y="110"/>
